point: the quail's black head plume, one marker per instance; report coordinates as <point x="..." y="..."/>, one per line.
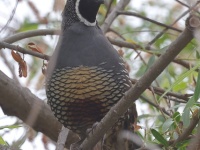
<point x="86" y="76"/>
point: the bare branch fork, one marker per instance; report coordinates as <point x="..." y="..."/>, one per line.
<point x="120" y="6"/>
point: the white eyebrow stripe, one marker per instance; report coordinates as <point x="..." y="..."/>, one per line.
<point x="81" y="17"/>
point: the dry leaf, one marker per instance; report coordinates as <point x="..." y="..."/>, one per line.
<point x="22" y="64"/>
<point x="24" y="69"/>
<point x="16" y="56"/>
<point x="34" y="47"/>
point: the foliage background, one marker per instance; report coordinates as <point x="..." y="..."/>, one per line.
<point x="162" y="117"/>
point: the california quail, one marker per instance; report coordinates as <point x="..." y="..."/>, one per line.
<point x="85" y="76"/>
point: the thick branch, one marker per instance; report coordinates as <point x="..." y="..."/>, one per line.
<point x="132" y="95"/>
<point x="18" y="101"/>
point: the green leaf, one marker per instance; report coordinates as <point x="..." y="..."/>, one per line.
<point x="27" y="25"/>
<point x="197" y="55"/>
<point x="190" y="103"/>
<point x="182" y="144"/>
<point x="197" y="89"/>
<point x="167" y="124"/>
<point x="186" y="117"/>
<point x="176" y="106"/>
<point x="161" y="118"/>
<point x="2" y="142"/>
<point x="180" y="86"/>
<point x="177" y="117"/>
<point x="180" y="79"/>
<point x="159" y="137"/>
<point x="10" y="127"/>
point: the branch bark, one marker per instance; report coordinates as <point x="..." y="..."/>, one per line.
<point x="18" y="101"/>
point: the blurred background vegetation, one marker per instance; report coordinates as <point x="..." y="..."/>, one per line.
<point x="162" y="117"/>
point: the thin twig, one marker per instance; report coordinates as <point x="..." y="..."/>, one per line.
<point x="147" y="19"/>
<point x="155" y="105"/>
<point x="120" y="6"/>
<point x="160" y="91"/>
<point x="62" y="138"/>
<point x="108" y="9"/>
<point x="23" y="51"/>
<point x="181" y="16"/>
<point x="182" y="3"/>
<point x="23" y="35"/>
<point x="11" y="17"/>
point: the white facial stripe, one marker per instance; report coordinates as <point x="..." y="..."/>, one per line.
<point x="81" y="17"/>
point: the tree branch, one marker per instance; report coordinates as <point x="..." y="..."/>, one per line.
<point x="132" y="95"/>
<point x="23" y="51"/>
<point x="18" y="101"/>
<point x="147" y="19"/>
<point x="62" y="138"/>
<point x="120" y="6"/>
<point x="28" y="34"/>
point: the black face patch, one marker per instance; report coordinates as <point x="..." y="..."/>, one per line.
<point x="88" y="9"/>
